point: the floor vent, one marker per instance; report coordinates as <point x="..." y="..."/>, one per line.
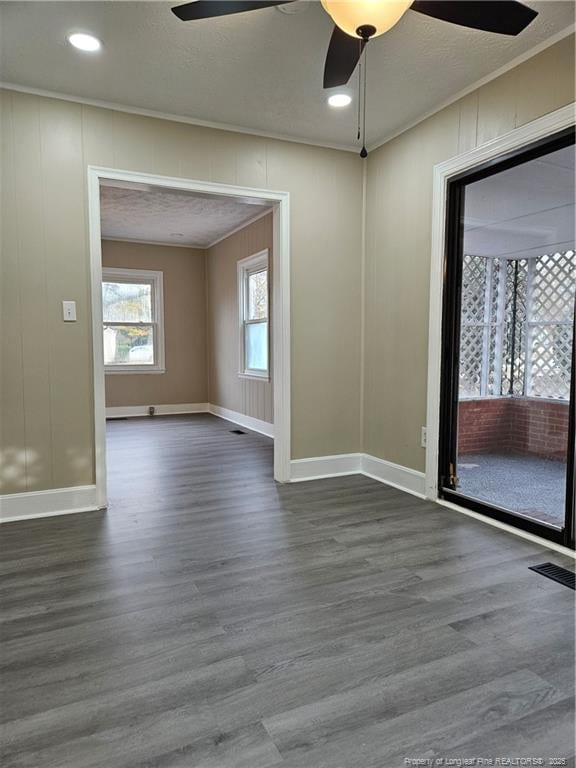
<point x="556" y="573"/>
<point x="237" y="432"/>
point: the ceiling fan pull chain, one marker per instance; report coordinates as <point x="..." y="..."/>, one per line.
<point x="359" y="90"/>
<point x="364" y="151"/>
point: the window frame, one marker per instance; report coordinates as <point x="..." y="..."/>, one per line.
<point x="258" y="262"/>
<point x="155" y="279"/>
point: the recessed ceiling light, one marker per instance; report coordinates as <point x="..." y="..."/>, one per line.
<point x="339" y="100"/>
<point x="84" y="42"/>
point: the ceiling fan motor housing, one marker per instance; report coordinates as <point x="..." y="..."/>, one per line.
<point x="366" y="31"/>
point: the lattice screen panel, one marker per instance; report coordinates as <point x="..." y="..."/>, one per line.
<point x="550" y="325"/>
<point x="516" y="326"/>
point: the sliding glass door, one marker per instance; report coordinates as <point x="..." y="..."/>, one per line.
<point x="507" y="412"/>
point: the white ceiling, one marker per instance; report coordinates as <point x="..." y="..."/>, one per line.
<point x="260" y="71"/>
<point x="156" y="215"/>
<point x="523" y="212"/>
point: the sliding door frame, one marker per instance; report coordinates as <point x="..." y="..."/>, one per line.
<point x="446" y="235"/>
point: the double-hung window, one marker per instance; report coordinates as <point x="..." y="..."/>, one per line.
<point x="132" y="311"/>
<point x="254" y="302"/>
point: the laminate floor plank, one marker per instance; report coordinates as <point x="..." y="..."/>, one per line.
<point x="214" y="619"/>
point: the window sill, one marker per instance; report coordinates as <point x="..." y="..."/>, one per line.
<point x="132" y="369"/>
<point x="254" y="376"/>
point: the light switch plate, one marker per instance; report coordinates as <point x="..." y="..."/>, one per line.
<point x="69" y="311"/>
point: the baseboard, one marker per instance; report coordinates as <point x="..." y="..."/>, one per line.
<point x="397" y="476"/>
<point x="59" y="501"/>
<point x="404" y="478"/>
<point x="131" y="411"/>
<point x="325" y="466"/>
<point x="256" y="425"/>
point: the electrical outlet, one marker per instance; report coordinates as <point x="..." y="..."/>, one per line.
<point x="423" y="437"/>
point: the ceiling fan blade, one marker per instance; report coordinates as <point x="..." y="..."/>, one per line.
<point x="208" y="9"/>
<point x="505" y="17"/>
<point x="343" y="55"/>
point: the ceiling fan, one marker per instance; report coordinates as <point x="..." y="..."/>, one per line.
<point x="357" y="21"/>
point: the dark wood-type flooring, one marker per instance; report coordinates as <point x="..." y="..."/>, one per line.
<point x="214" y="619"/>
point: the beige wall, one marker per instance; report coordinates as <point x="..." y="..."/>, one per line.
<point x="398" y="238"/>
<point x="47" y="144"/>
<point x="184" y="278"/>
<point x="227" y="389"/>
<point x="47" y="398"/>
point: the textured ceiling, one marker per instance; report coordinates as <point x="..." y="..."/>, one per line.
<point x="525" y="211"/>
<point x="153" y="214"/>
<point x="260" y="71"/>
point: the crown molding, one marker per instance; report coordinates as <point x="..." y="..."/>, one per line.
<point x="126" y="108"/>
<point x="174" y="118"/>
<point x="529" y="54"/>
<point x="135" y="241"/>
<point x="240" y="227"/>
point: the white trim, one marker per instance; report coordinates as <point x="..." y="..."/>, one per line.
<point x="134" y="241"/>
<point x="191" y="247"/>
<point x="256" y="425"/>
<point x="508" y="528"/>
<point x="240" y="227"/>
<point x="325" y="466"/>
<point x="281" y="340"/>
<point x="404" y="479"/>
<point x="132" y="411"/>
<point x="395" y="475"/>
<point x="280" y="304"/>
<point x="519" y="137"/>
<point x="156" y="279"/>
<point x="529" y="54"/>
<point x="59" y="501"/>
<point x="101" y="104"/>
<point x="253" y="376"/>
<point x="257" y="261"/>
<point x="95" y="245"/>
<point x="515" y="139"/>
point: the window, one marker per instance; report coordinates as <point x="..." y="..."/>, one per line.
<point x="132" y="311"/>
<point x="253" y="302"/>
<point x="516" y="335"/>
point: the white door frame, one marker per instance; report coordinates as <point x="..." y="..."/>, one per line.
<point x="538" y="129"/>
<point x="280" y="305"/>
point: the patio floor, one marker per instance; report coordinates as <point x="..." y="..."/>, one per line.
<point x="528" y="485"/>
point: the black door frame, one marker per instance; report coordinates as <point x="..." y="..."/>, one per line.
<point x="451" y="311"/>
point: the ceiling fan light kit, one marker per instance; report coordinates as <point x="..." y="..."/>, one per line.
<point x="358" y="21"/>
<point x="359" y="17"/>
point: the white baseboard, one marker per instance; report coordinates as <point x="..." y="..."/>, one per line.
<point x="131" y="411"/>
<point x="60" y="501"/>
<point x="404" y="478"/>
<point x="256" y="425"/>
<point x="325" y="466"/>
<point x="397" y="476"/>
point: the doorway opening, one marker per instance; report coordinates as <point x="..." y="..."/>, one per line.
<point x="182" y="324"/>
<point x="506" y="447"/>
